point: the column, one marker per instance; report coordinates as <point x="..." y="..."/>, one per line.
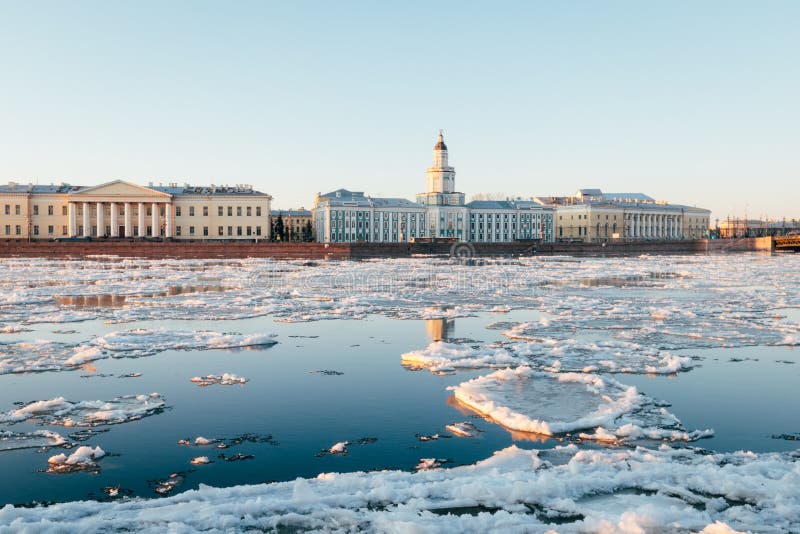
<point x="114" y="220"/>
<point x="73" y="226"/>
<point x="128" y="222"/>
<point x="639" y="225"/>
<point x="101" y="222"/>
<point x="154" y="212"/>
<point x="168" y="216"/>
<point x="87" y="230"/>
<point x="141" y="232"/>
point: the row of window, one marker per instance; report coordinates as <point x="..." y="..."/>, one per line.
<point x="221" y="211"/>
<point x="248" y="210"/>
<point x="221" y="230"/>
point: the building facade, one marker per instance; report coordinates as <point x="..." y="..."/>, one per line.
<point x="121" y="209"/>
<point x="295" y="225"/>
<point x="440" y="212"/>
<point x="591" y="215"/>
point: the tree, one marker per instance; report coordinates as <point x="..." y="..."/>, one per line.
<point x="308" y="233"/>
<point x="277" y="230"/>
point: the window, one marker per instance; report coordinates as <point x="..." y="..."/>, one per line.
<point x="49" y="210"/>
<point x="219" y="212"/>
<point x="177" y="211"/>
<point x="238" y="211"/>
<point x="205" y="212"/>
<point x="50" y="230"/>
<point x="64" y="210"/>
<point x="249" y="211"/>
<point x="177" y="230"/>
<point x="8" y="209"/>
<point x="191" y="211"/>
<point x="64" y="230"/>
<point x="238" y="230"/>
<point x="230" y="211"/>
<point x="258" y="211"/>
<point x="16" y="209"/>
<point x="191" y="230"/>
<point x="249" y="229"/>
<point x="230" y="231"/>
<point x="220" y="230"/>
<point x="258" y="230"/>
<point x="205" y="230"/>
<point x="36" y="209"/>
<point x="8" y="229"/>
<point x="18" y="230"/>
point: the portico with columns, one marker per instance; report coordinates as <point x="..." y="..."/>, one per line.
<point x="103" y="207"/>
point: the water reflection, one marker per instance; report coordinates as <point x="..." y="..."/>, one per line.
<point x="116" y="301"/>
<point x="440" y="329"/>
<point x="516" y="435"/>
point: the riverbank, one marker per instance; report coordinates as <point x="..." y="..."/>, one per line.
<point x="342" y="251"/>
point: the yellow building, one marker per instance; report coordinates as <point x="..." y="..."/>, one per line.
<point x="592" y="215"/>
<point x="295" y="224"/>
<point x="121" y="209"/>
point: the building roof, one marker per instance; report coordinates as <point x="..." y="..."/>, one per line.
<point x="628" y="197"/>
<point x="440" y="142"/>
<point x="590" y="192"/>
<point x="291" y="213"/>
<point x="171" y="189"/>
<point x="13" y="187"/>
<point x="504" y="205"/>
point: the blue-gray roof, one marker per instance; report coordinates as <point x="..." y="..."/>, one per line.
<point x="291" y="213"/>
<point x="628" y="197"/>
<point x="38" y="189"/>
<point x="172" y="190"/>
<point x="504" y="205"/>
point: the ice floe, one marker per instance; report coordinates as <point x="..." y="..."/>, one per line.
<point x="81" y="459"/>
<point x="441" y="356"/>
<point x="566" y="489"/>
<point x="225" y="379"/>
<point x="526" y="400"/>
<point x="27" y="440"/>
<point x="464" y="429"/>
<point x="61" y="412"/>
<point x="39" y="356"/>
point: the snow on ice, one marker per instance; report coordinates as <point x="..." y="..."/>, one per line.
<point x="81" y="459"/>
<point x="566" y="489"/>
<point x="225" y="379"/>
<point x="29" y="440"/>
<point x="61" y="412"/>
<point x="37" y="356"/>
<point x="527" y="400"/>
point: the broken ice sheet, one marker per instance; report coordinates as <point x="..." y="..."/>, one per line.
<point x="443" y="357"/>
<point x="39" y="356"/>
<point x="61" y="412"/>
<point x="614" y="490"/>
<point x="527" y="400"/>
<point x="29" y="440"/>
<point x="83" y="458"/>
<point x="225" y="379"/>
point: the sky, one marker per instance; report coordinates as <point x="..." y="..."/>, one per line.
<point x="692" y="102"/>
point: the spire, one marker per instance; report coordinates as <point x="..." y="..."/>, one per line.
<point x="440" y="142"/>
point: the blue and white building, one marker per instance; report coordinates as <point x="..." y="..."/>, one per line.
<point x="439" y="212"/>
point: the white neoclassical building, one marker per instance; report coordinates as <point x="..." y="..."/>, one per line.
<point x="121" y="209"/>
<point x="440" y="212"/>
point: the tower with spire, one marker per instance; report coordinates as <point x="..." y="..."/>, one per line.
<point x="440" y="179"/>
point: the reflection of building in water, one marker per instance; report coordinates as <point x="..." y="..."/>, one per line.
<point x="440" y="329"/>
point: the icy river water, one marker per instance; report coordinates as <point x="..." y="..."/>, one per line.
<point x="523" y="395"/>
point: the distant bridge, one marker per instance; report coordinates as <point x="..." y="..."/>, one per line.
<point x="789" y="242"/>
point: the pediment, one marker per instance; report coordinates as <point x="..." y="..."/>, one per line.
<point x="120" y="189"/>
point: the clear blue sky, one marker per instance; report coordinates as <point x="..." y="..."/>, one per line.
<point x="696" y="102"/>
